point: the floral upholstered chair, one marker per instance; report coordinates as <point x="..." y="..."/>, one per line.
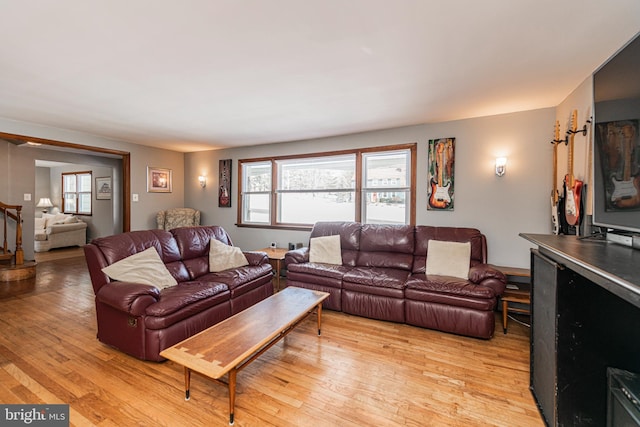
<point x="177" y="217"/>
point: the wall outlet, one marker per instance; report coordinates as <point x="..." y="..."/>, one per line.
<point x="27" y="197"/>
<point x="135" y="197"/>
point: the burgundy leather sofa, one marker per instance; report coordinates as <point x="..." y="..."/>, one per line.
<point x="383" y="276"/>
<point x="142" y="320"/>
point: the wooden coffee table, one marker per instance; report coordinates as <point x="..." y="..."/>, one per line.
<point x="229" y="346"/>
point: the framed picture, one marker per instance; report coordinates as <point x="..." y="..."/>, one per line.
<point x="159" y="180"/>
<point x="224" y="189"/>
<point x="441" y="162"/>
<point x="103" y="188"/>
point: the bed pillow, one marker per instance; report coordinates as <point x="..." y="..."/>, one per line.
<point x="144" y="267"/>
<point x="325" y="249"/>
<point x="223" y="257"/>
<point x="448" y="258"/>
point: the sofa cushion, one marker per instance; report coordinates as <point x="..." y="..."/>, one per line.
<point x="448" y="258"/>
<point x="426" y="233"/>
<point x="224" y="257"/>
<point x="119" y="246"/>
<point x="349" y="237"/>
<point x="447" y="285"/>
<point x="235" y="277"/>
<point x="386" y="246"/>
<point x="143" y="267"/>
<point x="51" y="219"/>
<point x="325" y="249"/>
<point x="193" y="243"/>
<point x="375" y="277"/>
<point x="185" y="294"/>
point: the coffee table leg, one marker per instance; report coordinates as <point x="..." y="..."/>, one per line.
<point x="319" y="317"/>
<point x="187" y="383"/>
<point x="505" y="308"/>
<point x="232" y="394"/>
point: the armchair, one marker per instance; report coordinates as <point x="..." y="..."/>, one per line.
<point x="177" y="217"/>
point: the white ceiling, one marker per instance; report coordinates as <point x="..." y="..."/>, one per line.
<point x="191" y="75"/>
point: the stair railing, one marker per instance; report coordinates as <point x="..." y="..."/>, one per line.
<point x="13" y="212"/>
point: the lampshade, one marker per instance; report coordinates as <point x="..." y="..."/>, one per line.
<point x="44" y="202"/>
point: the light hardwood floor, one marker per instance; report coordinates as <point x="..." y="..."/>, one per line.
<point x="360" y="372"/>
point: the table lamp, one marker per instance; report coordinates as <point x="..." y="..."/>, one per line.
<point x="45" y="203"/>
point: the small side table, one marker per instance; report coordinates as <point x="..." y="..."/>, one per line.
<point x="518" y="292"/>
<point x="515" y="296"/>
<point x="276" y="258"/>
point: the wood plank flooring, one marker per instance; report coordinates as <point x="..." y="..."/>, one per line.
<point x="360" y="372"/>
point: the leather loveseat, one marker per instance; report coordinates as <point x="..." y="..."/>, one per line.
<point x="142" y="320"/>
<point x="383" y="276"/>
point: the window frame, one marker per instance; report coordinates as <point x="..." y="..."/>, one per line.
<point x="77" y="193"/>
<point x="359" y="187"/>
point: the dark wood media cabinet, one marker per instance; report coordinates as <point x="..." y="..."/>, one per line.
<point x="585" y="318"/>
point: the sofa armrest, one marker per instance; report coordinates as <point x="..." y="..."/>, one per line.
<point x="256" y="257"/>
<point x="297" y="256"/>
<point x="132" y="298"/>
<point x="64" y="228"/>
<point x="487" y="275"/>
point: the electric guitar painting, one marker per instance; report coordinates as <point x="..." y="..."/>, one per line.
<point x="626" y="192"/>
<point x="555" y="196"/>
<point x="440" y="197"/>
<point x="573" y="186"/>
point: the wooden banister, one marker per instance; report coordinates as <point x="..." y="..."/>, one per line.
<point x="13" y="212"/>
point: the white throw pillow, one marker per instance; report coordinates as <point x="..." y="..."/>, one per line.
<point x="325" y="249"/>
<point x="40" y="223"/>
<point x="448" y="258"/>
<point x="144" y="267"/>
<point x="223" y="257"/>
<point x="48" y="219"/>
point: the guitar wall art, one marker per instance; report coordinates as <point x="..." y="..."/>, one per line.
<point x="441" y="176"/>
<point x="619" y="146"/>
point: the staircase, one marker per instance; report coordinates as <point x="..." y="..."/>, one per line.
<point x="12" y="264"/>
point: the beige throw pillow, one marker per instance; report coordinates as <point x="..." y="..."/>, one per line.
<point x="144" y="267"/>
<point x="223" y="257"/>
<point x="40" y="223"/>
<point x="325" y="249"/>
<point x="448" y="258"/>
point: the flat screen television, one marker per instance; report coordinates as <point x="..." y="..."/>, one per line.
<point x="616" y="174"/>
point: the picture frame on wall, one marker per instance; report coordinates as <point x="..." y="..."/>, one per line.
<point x="441" y="175"/>
<point x="159" y="180"/>
<point x="224" y="188"/>
<point x="103" y="188"/>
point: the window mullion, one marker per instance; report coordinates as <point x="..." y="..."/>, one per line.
<point x="358" y="195"/>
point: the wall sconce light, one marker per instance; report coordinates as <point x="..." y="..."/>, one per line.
<point x="45" y="203"/>
<point x="202" y="180"/>
<point x="501" y="165"/>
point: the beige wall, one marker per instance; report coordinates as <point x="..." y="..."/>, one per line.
<point x="500" y="207"/>
<point x="17" y="174"/>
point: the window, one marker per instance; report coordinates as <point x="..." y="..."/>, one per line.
<point x="386" y="187"/>
<point x="76" y="193"/>
<point x="370" y="185"/>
